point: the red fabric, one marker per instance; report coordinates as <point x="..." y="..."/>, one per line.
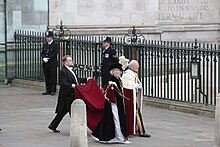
<point x="94" y="99"/>
<point x="110" y="94"/>
<point x="129" y="107"/>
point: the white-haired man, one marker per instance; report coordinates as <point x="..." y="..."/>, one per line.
<point x="133" y="90"/>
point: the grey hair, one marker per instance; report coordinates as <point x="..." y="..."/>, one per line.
<point x="111" y="71"/>
<point x="132" y="62"/>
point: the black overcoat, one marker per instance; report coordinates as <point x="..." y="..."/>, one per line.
<point x="66" y="92"/>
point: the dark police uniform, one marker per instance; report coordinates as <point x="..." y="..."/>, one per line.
<point x="50" y="68"/>
<point x="108" y="57"/>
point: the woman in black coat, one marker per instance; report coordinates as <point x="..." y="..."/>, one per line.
<point x="112" y="126"/>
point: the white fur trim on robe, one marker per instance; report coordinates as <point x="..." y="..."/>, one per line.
<point x="129" y="80"/>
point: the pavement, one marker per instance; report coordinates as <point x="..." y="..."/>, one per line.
<point x="25" y="115"/>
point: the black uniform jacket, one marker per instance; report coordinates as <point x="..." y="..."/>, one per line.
<point x="108" y="57"/>
<point x="50" y="51"/>
<point x="66" y="92"/>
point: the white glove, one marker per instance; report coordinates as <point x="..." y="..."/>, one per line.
<point x="138" y="86"/>
<point x="73" y="85"/>
<point x="45" y="60"/>
<point x="112" y="83"/>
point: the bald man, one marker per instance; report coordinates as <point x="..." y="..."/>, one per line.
<point x="133" y="90"/>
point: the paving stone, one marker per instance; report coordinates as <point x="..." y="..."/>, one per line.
<point x="25" y="115"/>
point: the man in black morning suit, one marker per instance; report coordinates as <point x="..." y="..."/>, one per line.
<point x="108" y="57"/>
<point x="49" y="57"/>
<point x="67" y="81"/>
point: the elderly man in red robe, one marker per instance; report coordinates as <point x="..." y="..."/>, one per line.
<point x="133" y="90"/>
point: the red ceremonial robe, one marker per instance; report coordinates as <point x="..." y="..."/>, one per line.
<point x="129" y="104"/>
<point x="94" y="99"/>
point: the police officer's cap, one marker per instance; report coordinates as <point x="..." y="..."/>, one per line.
<point x="115" y="65"/>
<point x="49" y="34"/>
<point x="108" y="39"/>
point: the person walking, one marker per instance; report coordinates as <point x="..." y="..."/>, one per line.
<point x="112" y="126"/>
<point x="67" y="81"/>
<point x="133" y="90"/>
<point x="108" y="57"/>
<point x="49" y="56"/>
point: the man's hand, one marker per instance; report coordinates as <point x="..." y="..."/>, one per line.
<point x="138" y="86"/>
<point x="45" y="60"/>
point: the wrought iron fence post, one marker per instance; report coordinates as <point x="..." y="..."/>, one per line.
<point x="96" y="75"/>
<point x="62" y="34"/>
<point x="133" y="37"/>
<point x="218" y="69"/>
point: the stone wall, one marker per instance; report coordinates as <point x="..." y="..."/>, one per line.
<point x="102" y="12"/>
<point x="26" y="15"/>
<point x="21" y="15"/>
<point x="184" y="20"/>
<point x="2" y="28"/>
<point x="177" y="20"/>
<point x="188" y="11"/>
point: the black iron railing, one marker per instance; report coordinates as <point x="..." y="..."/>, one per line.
<point x="85" y="50"/>
<point x="166" y="68"/>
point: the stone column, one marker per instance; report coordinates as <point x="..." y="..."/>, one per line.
<point x="78" y="124"/>
<point x="217" y="123"/>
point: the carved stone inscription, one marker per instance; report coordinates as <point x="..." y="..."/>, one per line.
<point x="187" y="10"/>
<point x="85" y="6"/>
<point x="113" y="5"/>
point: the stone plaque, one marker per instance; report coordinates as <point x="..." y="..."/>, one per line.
<point x="188" y="10"/>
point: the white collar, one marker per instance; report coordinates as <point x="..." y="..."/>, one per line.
<point x="107" y="47"/>
<point x="50" y="42"/>
<point x="70" y="68"/>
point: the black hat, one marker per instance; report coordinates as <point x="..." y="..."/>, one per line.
<point x="49" y="34"/>
<point x="108" y="39"/>
<point x="115" y="65"/>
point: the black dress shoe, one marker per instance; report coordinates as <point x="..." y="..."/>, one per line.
<point x="45" y="93"/>
<point x="53" y="93"/>
<point x="53" y="129"/>
<point x="145" y="135"/>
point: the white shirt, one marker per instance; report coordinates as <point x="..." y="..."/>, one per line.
<point x="71" y="70"/>
<point x="106" y="48"/>
<point x="50" y="42"/>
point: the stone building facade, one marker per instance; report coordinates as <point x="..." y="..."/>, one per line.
<point x="19" y="15"/>
<point x="176" y="20"/>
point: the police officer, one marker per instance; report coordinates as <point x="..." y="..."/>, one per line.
<point x="49" y="57"/>
<point x="108" y="56"/>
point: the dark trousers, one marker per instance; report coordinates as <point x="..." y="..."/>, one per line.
<point x="50" y="74"/>
<point x="59" y="116"/>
